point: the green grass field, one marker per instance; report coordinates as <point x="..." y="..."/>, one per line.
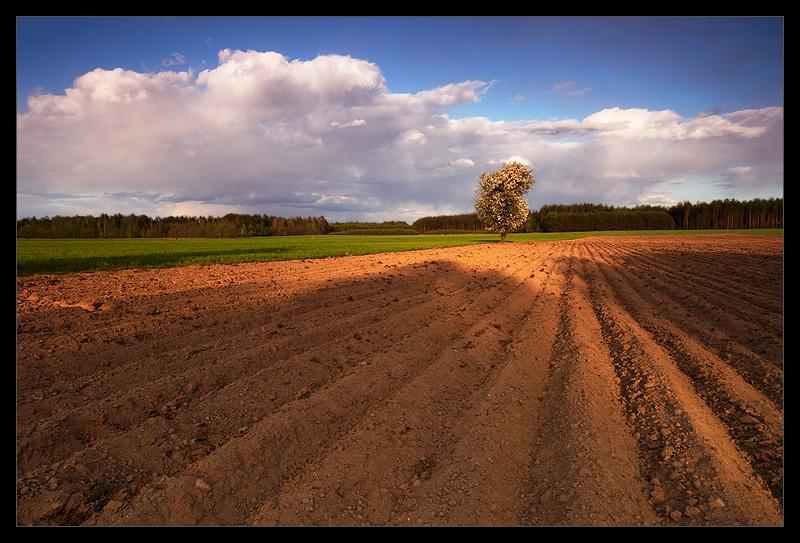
<point x="41" y="256"/>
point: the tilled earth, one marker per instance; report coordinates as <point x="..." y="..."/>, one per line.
<point x="607" y="381"/>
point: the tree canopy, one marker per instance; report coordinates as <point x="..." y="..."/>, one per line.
<point x="498" y="198"/>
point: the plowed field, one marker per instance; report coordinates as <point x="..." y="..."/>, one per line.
<point x="605" y="381"/>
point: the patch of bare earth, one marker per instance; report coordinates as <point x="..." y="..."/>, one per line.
<point x="607" y="381"/>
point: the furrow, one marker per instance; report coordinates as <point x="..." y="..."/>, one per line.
<point x="688" y="457"/>
<point x="584" y="467"/>
<point x="754" y="422"/>
<point x="302" y="427"/>
<point x="752" y="346"/>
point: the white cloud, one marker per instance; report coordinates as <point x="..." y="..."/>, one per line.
<point x="413" y="136"/>
<point x="667" y="125"/>
<point x="261" y="133"/>
<point x="175" y="59"/>
<point x="620" y="175"/>
<point x="567" y="88"/>
<point x="354" y="122"/>
<point x="462" y="163"/>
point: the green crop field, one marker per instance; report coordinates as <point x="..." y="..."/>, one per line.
<point x="40" y="256"/>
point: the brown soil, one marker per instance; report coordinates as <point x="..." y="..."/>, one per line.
<point x="607" y="381"/>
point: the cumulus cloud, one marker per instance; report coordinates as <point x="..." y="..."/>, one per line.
<point x="261" y="133"/>
<point x="667" y="125"/>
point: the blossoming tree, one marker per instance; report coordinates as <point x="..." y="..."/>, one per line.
<point x="498" y="198"/>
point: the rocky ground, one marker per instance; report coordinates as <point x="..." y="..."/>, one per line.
<point x="607" y="381"/>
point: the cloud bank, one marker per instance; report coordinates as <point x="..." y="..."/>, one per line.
<point x="326" y="137"/>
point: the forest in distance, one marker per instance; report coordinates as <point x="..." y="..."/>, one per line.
<point x="718" y="214"/>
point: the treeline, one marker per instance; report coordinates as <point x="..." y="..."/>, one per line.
<point x="729" y="214"/>
<point x="141" y="226"/>
<point x="449" y="224"/>
<point x="716" y="215"/>
<point x="559" y="218"/>
<point x="558" y="221"/>
<point x="386" y="228"/>
<point x="719" y="214"/>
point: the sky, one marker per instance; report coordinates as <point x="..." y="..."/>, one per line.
<point x="392" y="118"/>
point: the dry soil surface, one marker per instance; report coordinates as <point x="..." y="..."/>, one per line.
<point x="606" y="381"/>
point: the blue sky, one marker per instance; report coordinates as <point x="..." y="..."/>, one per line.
<point x="392" y="118"/>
